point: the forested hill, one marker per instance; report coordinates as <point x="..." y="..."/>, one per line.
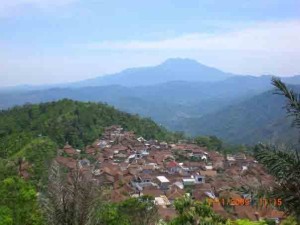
<point x="261" y="118"/>
<point x="69" y="121"/>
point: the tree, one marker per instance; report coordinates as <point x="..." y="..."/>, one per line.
<point x="18" y="203"/>
<point x="108" y="214"/>
<point x="289" y="221"/>
<point x="284" y="165"/>
<point x="247" y="222"/>
<point x="192" y="212"/>
<point x="139" y="211"/>
<point x="211" y="142"/>
<point x="71" y="199"/>
<point x="132" y="211"/>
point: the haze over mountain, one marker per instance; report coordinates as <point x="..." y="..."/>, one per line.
<point x="174" y="69"/>
<point x="181" y="94"/>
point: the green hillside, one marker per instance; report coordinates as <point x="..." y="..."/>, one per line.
<point x="259" y="119"/>
<point x="30" y="135"/>
<point x="69" y="121"/>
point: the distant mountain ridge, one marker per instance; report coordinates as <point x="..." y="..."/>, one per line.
<point x="175" y="69"/>
<point x="260" y="118"/>
<point x="181" y="94"/>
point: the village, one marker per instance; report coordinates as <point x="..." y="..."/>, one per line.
<point x="130" y="166"/>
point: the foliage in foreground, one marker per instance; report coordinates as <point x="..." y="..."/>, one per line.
<point x="284" y="165"/>
<point x="18" y="203"/>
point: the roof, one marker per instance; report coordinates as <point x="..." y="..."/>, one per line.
<point x="175" y="193"/>
<point x="70" y="151"/>
<point x="209" y="173"/>
<point x="162" y="179"/>
<point x="188" y="179"/>
<point x="67" y="162"/>
<point x="90" y="150"/>
<point x="152" y="192"/>
<point x="162" y="200"/>
<point x="172" y="164"/>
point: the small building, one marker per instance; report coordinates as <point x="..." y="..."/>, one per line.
<point x="208" y="173"/>
<point x="162" y="201"/>
<point x="173" y="167"/>
<point x="163" y="182"/>
<point x="188" y="181"/>
<point x="141" y="139"/>
<point x="208" y="167"/>
<point x="199" y="179"/>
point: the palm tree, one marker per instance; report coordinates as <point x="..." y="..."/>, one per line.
<point x="284" y="164"/>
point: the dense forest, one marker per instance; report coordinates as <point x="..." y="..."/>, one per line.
<point x="69" y="121"/>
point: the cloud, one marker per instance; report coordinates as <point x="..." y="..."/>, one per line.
<point x="263" y="36"/>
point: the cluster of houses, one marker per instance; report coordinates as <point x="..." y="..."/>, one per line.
<point x="131" y="166"/>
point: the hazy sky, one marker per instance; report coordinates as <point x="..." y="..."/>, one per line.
<point x="52" y="41"/>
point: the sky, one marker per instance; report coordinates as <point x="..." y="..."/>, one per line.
<point x="57" y="41"/>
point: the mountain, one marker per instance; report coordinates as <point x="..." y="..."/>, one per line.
<point x="175" y="69"/>
<point x="260" y="118"/>
<point x="181" y="94"/>
<point x="172" y="70"/>
<point x="164" y="103"/>
<point x="177" y="105"/>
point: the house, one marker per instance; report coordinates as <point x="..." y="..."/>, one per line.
<point x="198" y="153"/>
<point x="102" y="143"/>
<point x="208" y="173"/>
<point x="244" y="168"/>
<point x="90" y="150"/>
<point x="66" y="162"/>
<point x="174" y="193"/>
<point x="204" y="157"/>
<point x="230" y="158"/>
<point x="199" y="179"/>
<point x="109" y="174"/>
<point x="173" y="167"/>
<point x="144" y="178"/>
<point x="163" y="182"/>
<point x="188" y="181"/>
<point x="123" y="166"/>
<point x="208" y="167"/>
<point x="200" y="190"/>
<point x="141" y="139"/>
<point x="69" y="150"/>
<point x="164" y="145"/>
<point x="240" y="156"/>
<point x="162" y="201"/>
<point x="152" y="191"/>
<point x="194" y="165"/>
<point x="149" y="168"/>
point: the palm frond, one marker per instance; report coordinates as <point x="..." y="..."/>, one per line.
<point x="285" y="167"/>
<point x="293" y="104"/>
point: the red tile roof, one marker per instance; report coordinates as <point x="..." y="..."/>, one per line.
<point x="172" y="164"/>
<point x="67" y="162"/>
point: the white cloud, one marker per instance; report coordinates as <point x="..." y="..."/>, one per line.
<point x="265" y="36"/>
